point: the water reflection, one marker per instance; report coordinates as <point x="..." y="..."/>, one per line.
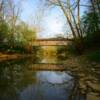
<point x="54" y="77"/>
<point x="19" y="82"/>
<point x="49" y="86"/>
<point x="14" y="76"/>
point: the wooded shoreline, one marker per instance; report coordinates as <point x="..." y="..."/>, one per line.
<point x="5" y="56"/>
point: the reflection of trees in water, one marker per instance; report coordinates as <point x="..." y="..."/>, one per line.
<point x="57" y="52"/>
<point x="14" y="76"/>
<point x="17" y="74"/>
<point x="49" y="51"/>
<point x="62" y="53"/>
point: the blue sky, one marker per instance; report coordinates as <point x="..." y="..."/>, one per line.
<point x="52" y="23"/>
<point x="28" y="8"/>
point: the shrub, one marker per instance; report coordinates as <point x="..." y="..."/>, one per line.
<point x="94" y="56"/>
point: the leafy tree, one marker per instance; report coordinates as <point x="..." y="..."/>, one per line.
<point x="3" y="30"/>
<point x="91" y="24"/>
<point x="25" y="32"/>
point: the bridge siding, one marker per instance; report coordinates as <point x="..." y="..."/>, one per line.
<point x="49" y="43"/>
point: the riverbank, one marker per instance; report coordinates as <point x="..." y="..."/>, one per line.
<point x="88" y="75"/>
<point x="7" y="56"/>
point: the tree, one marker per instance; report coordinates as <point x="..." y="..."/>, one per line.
<point x="17" y="33"/>
<point x="26" y="33"/>
<point x="68" y="8"/>
<point x="91" y="24"/>
<point x="11" y="13"/>
<point x="3" y="30"/>
<point x="3" y="24"/>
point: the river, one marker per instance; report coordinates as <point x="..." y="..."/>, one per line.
<point x="20" y="81"/>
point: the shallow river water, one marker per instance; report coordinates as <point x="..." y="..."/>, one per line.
<point x="19" y="81"/>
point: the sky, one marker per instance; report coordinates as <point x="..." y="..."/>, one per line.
<point x="51" y="23"/>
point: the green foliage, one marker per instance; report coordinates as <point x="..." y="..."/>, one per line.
<point x="62" y="52"/>
<point x="9" y="49"/>
<point x="3" y="30"/>
<point x="71" y="48"/>
<point x="94" y="56"/>
<point x="91" y="23"/>
<point x="25" y="33"/>
<point x="17" y="42"/>
<point x="91" y="28"/>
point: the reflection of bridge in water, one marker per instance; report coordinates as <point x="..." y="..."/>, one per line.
<point x="50" y="42"/>
<point x="49" y="66"/>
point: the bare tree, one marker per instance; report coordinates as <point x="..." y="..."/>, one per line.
<point x="68" y="7"/>
<point x="12" y="11"/>
<point x="1" y="5"/>
<point x="78" y="9"/>
<point x="2" y="9"/>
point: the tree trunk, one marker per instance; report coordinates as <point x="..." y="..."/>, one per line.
<point x="66" y="15"/>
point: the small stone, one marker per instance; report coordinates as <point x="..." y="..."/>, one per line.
<point x="93" y="63"/>
<point x="94" y="86"/>
<point x="93" y="96"/>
